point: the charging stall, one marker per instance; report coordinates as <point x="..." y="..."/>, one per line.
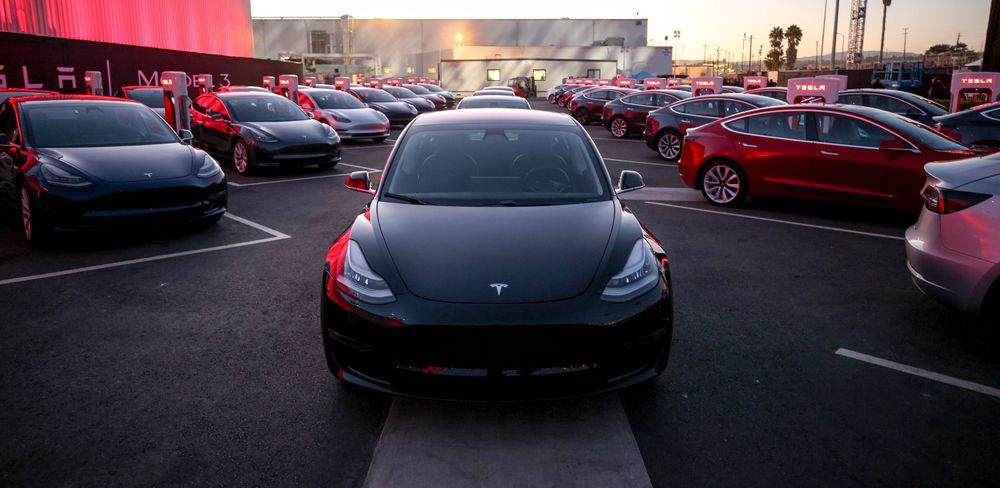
<point x="309" y="81"/>
<point x="841" y="80"/>
<point x="421" y="80"/>
<point x="671" y="82"/>
<point x="969" y="89"/>
<point x="603" y="82"/>
<point x="375" y="82"/>
<point x="432" y="81"/>
<point x="395" y="81"/>
<point x="268" y="82"/>
<point x="813" y="90"/>
<point x="342" y="84"/>
<point x="93" y="84"/>
<point x="176" y="102"/>
<point x="706" y="85"/>
<point x="754" y="82"/>
<point x="411" y="80"/>
<point x="654" y="83"/>
<point x="204" y="84"/>
<point x="625" y="83"/>
<point x="288" y="87"/>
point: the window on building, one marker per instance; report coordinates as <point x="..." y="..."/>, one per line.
<point x="319" y="41"/>
<point x="432" y="70"/>
<point x="493" y="75"/>
<point x="409" y="70"/>
<point x="593" y="73"/>
<point x="387" y="70"/>
<point x="538" y="74"/>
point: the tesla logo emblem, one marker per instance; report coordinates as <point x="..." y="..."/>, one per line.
<point x="499" y="287"/>
<point x="148" y="175"/>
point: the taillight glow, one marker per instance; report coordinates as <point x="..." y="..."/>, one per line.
<point x="941" y="201"/>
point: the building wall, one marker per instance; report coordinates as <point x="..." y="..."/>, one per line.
<point x="464" y="76"/>
<point x="401" y="43"/>
<point x="178" y="24"/>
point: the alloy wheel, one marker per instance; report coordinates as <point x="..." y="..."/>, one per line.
<point x="240" y="157"/>
<point x="669" y="146"/>
<point x="721" y="184"/>
<point x="26" y="212"/>
<point x="619" y="128"/>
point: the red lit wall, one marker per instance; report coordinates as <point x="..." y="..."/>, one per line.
<point x="211" y="27"/>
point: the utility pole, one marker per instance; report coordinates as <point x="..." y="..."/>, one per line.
<point x="760" y="58"/>
<point x="817" y="55"/>
<point x="836" y="18"/>
<point x="822" y="37"/>
<point x="750" y="52"/>
<point x="991" y="48"/>
<point x="906" y="32"/>
<point x="885" y="9"/>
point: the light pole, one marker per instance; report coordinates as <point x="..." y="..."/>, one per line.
<point x="843" y="42"/>
<point x="743" y="47"/>
<point x="817" y="55"/>
<point x="836" y="17"/>
<point x="906" y="32"/>
<point x="822" y="37"/>
<point x="885" y="10"/>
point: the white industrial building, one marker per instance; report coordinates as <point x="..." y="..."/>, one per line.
<point x="464" y="53"/>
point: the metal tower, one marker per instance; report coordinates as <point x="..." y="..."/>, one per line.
<point x="856" y="40"/>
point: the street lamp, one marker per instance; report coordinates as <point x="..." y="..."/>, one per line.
<point x="843" y="46"/>
<point x="458" y="38"/>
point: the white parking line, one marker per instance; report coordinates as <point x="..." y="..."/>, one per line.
<point x="613" y="139"/>
<point x="779" y="221"/>
<point x="586" y="442"/>
<point x="275" y="236"/>
<point x="673" y="165"/>
<point x="360" y="167"/>
<point x="923" y="373"/>
<point x="366" y="147"/>
<point x="286" y="180"/>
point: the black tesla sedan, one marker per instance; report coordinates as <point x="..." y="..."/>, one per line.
<point x="627" y="115"/>
<point x="495" y="260"/>
<point x="978" y="126"/>
<point x="79" y="162"/>
<point x="901" y="103"/>
<point x="398" y="112"/>
<point x="665" y="127"/>
<point x="439" y="101"/>
<point x="448" y="96"/>
<point x="588" y="105"/>
<point x="422" y="105"/>
<point x="261" y="129"/>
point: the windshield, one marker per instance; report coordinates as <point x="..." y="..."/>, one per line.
<point x="459" y="166"/>
<point x="433" y="88"/>
<point x="263" y="108"/>
<point x="150" y="97"/>
<point x="491" y="102"/>
<point x="370" y="96"/>
<point x="94" y="124"/>
<point x="419" y="90"/>
<point x="922" y="133"/>
<point x="331" y="99"/>
<point x="400" y="92"/>
<point x="935" y="108"/>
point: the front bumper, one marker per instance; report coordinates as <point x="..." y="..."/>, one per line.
<point x="180" y="200"/>
<point x="362" y="131"/>
<point x="953" y="278"/>
<point x="498" y="352"/>
<point x="280" y="154"/>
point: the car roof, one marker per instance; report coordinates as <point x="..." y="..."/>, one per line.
<point x="494" y="97"/>
<point x="140" y="87"/>
<point x="231" y="94"/>
<point x="32" y="90"/>
<point x="746" y="97"/>
<point x="69" y="98"/>
<point x="494" y="116"/>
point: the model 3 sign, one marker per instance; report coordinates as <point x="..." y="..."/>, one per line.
<point x="60" y="64"/>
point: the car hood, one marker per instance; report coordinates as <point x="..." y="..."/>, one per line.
<point x="127" y="163"/>
<point x="394" y="107"/>
<point x="356" y="114"/>
<point x="291" y="131"/>
<point x="497" y="254"/>
<point x="954" y="174"/>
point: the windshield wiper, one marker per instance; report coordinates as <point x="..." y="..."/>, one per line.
<point x="405" y="198"/>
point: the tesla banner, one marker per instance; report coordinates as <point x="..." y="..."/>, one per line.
<point x="52" y="63"/>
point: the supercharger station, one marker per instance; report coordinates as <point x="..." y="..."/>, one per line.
<point x="706" y="85"/>
<point x="432" y="81"/>
<point x="654" y="83"/>
<point x="176" y="102"/>
<point x="288" y="87"/>
<point x="625" y="83"/>
<point x="375" y="83"/>
<point x="841" y="80"/>
<point x="204" y="84"/>
<point x="603" y="82"/>
<point x="268" y="82"/>
<point x="588" y="81"/>
<point x="411" y="80"/>
<point x="754" y="82"/>
<point x="342" y="84"/>
<point x="93" y="84"/>
<point x="969" y="89"/>
<point x="309" y="81"/>
<point x="813" y="90"/>
<point x="421" y="80"/>
<point x="673" y="82"/>
<point x="395" y="81"/>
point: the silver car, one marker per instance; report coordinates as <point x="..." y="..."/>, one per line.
<point x="953" y="251"/>
<point x="350" y="117"/>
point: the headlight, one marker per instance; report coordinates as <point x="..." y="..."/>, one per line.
<point x="413" y="109"/>
<point x="330" y="133"/>
<point x="339" y="118"/>
<point x="358" y="280"/>
<point x="260" y="136"/>
<point x="382" y="117"/>
<point x="209" y="168"/>
<point x="59" y="177"/>
<point x="639" y="275"/>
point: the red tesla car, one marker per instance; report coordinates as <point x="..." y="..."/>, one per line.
<point x="589" y="105"/>
<point x="836" y="153"/>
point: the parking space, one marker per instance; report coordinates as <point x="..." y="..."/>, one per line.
<point x="196" y="358"/>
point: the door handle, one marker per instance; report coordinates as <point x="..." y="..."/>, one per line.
<point x="685" y="121"/>
<point x="754" y="146"/>
<point x="828" y="153"/>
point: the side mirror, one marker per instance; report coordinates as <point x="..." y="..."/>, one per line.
<point x="360" y="181"/>
<point x="629" y="181"/>
<point x="186" y="136"/>
<point x="216" y="116"/>
<point x="892" y="145"/>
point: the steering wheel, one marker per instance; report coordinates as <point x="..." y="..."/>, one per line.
<point x="547" y="179"/>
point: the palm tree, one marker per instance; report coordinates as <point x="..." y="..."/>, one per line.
<point x="793" y="34"/>
<point x="775" y="57"/>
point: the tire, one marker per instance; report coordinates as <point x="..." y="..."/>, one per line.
<point x="669" y="145"/>
<point x="242" y="160"/>
<point x="561" y="103"/>
<point x="619" y="128"/>
<point x="380" y="139"/>
<point x="990" y="309"/>
<point x="36" y="230"/>
<point x="582" y="116"/>
<point x="723" y="183"/>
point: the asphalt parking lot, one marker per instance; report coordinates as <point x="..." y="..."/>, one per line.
<point x="802" y="355"/>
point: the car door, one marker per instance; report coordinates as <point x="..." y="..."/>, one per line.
<point x="595" y="103"/>
<point x="199" y="115"/>
<point x="852" y="168"/>
<point x="775" y="151"/>
<point x="696" y="113"/>
<point x="637" y="107"/>
<point x="10" y="154"/>
<point x="217" y="128"/>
